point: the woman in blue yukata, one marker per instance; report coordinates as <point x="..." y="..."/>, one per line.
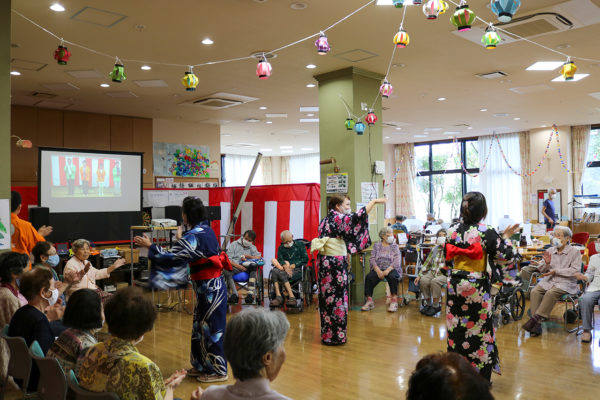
<point x="198" y="248"/>
<point x="469" y="307"/>
<point x="340" y="232"/>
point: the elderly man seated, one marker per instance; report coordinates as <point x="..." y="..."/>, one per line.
<point x="592" y="294"/>
<point x="560" y="267"/>
<point x="287" y="267"/>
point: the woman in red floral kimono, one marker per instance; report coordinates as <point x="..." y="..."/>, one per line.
<point x="340" y="232"/>
<point x="469" y="305"/>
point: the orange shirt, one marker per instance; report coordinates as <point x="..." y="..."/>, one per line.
<point x="25" y="235"/>
<point x="100" y="173"/>
<point x="86" y="173"/>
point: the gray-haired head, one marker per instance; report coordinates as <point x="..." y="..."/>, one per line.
<point x="429" y="215"/>
<point x="383" y="232"/>
<point x="249" y="335"/>
<point x="285" y="235"/>
<point x="79" y="244"/>
<point x="565" y="231"/>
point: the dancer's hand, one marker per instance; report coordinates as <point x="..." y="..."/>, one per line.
<point x="176" y="378"/>
<point x="142" y="241"/>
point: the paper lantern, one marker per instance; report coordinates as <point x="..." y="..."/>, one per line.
<point x="62" y="55"/>
<point x="398" y="3"/>
<point x="568" y="70"/>
<point x="505" y="9"/>
<point x="432" y="9"/>
<point x="417" y="2"/>
<point x="490" y="38"/>
<point x="386" y="89"/>
<point x="118" y="73"/>
<point x="322" y="45"/>
<point x="401" y="40"/>
<point x="371" y="118"/>
<point x="463" y="17"/>
<point x="263" y="69"/>
<point x="359" y="128"/>
<point x="349" y="124"/>
<point x="190" y="81"/>
<point x="444" y="7"/>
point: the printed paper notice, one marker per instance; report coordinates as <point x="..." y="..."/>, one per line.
<point x="369" y="191"/>
<point x="337" y="183"/>
<point x="4" y="224"/>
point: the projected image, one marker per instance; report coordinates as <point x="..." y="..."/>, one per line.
<point x="78" y="176"/>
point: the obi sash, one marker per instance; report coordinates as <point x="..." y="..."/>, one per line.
<point x="471" y="259"/>
<point x="209" y="267"/>
<point x="329" y="246"/>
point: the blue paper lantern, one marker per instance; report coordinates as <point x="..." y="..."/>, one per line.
<point x="359" y="128"/>
<point x="398" y="3"/>
<point x="505" y="9"/>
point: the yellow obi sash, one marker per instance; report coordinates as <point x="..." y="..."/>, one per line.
<point x="471" y="259"/>
<point x="467" y="264"/>
<point x="329" y="246"/>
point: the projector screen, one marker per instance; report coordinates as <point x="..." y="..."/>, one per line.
<point x="75" y="181"/>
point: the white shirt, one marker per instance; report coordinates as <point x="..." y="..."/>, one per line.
<point x="593" y="273"/>
<point x="256" y="389"/>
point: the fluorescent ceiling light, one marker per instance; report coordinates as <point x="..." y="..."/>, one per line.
<point x="15" y="73"/>
<point x="57" y="7"/>
<point x="311" y="66"/>
<point x="286" y="147"/>
<point x="311" y="85"/>
<point x="441" y="98"/>
<point x="262" y="108"/>
<point x="309" y="119"/>
<point x="576" y="78"/>
<point x="268" y="122"/>
<point x="104" y="85"/>
<point x="516" y="118"/>
<point x="387" y="137"/>
<point x="470" y="127"/>
<point x="146" y="67"/>
<point x="544" y="66"/>
<point x="310" y="115"/>
<point x="398" y="129"/>
<point x="207" y="41"/>
<point x="309" y="109"/>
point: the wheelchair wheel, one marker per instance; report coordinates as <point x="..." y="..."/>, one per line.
<point x="260" y="288"/>
<point x="517" y="304"/>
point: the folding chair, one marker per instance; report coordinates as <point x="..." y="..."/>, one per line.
<point x="83" y="394"/>
<point x="53" y="383"/>
<point x="19" y="364"/>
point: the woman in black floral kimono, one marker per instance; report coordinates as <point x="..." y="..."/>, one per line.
<point x="340" y="232"/>
<point x="469" y="305"/>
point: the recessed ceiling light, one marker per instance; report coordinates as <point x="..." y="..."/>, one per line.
<point x="307" y="149"/>
<point x="420" y="136"/>
<point x="483" y="109"/>
<point x="146" y="67"/>
<point x="310" y="115"/>
<point x="262" y="108"/>
<point x="286" y="147"/>
<point x="268" y="122"/>
<point x="207" y="41"/>
<point x="576" y="78"/>
<point x="544" y="126"/>
<point x="15" y="73"/>
<point x="516" y="118"/>
<point x="441" y="98"/>
<point x="311" y="66"/>
<point x="470" y="127"/>
<point x="266" y="149"/>
<point x="398" y="129"/>
<point x="311" y="85"/>
<point x="104" y="85"/>
<point x="57" y="7"/>
<point x="298" y="6"/>
<point x="387" y="137"/>
<point x="544" y="66"/>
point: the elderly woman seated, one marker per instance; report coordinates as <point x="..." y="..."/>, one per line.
<point x="80" y="274"/>
<point x="432" y="278"/>
<point x="592" y="294"/>
<point x="116" y="365"/>
<point x="385" y="263"/>
<point x="254" y="347"/>
<point x="560" y="267"/>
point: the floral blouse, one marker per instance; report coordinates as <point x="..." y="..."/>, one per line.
<point x="500" y="253"/>
<point x="116" y="366"/>
<point x="353" y="228"/>
<point x="384" y="257"/>
<point x="435" y="262"/>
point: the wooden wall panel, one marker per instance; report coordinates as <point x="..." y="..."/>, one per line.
<point x="86" y="130"/>
<point x="24" y="125"/>
<point x="142" y="141"/>
<point x="121" y="133"/>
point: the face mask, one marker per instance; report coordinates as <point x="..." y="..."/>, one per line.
<point x="53" y="298"/>
<point x="597" y="245"/>
<point x="246" y="243"/>
<point x="389" y="239"/>
<point x="556" y="242"/>
<point x="441" y="240"/>
<point x="347" y="211"/>
<point x="53" y="260"/>
<point x="288" y="245"/>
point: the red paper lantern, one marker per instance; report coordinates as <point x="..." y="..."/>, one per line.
<point x="263" y="69"/>
<point x="371" y="118"/>
<point x="62" y="55"/>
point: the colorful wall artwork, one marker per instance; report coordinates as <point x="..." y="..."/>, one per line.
<point x="172" y="159"/>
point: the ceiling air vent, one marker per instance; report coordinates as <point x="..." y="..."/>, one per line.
<point x="491" y="75"/>
<point x="42" y="95"/>
<point x="220" y="101"/>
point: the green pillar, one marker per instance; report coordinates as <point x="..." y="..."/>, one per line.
<point x="5" y="142"/>
<point x="354" y="154"/>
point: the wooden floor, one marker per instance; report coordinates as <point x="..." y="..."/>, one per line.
<point x="383" y="349"/>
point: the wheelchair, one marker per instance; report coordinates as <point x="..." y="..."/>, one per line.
<point x="242" y="280"/>
<point x="507" y="303"/>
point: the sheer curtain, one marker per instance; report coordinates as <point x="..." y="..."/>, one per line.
<point x="305" y="168"/>
<point x="580" y="138"/>
<point x="238" y="168"/>
<point x="405" y="181"/>
<point x="525" y="147"/>
<point x="284" y="170"/>
<point x="500" y="186"/>
<point x="267" y="170"/>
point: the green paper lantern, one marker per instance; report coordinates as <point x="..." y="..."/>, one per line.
<point x="118" y="73"/>
<point x="463" y="17"/>
<point x="349" y="124"/>
<point x="490" y="38"/>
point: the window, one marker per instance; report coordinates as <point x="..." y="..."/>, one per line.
<point x="441" y="181"/>
<point x="237" y="168"/>
<point x="305" y="168"/>
<point x="590" y="182"/>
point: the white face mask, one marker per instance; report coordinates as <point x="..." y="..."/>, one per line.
<point x="246" y="243"/>
<point x="441" y="240"/>
<point x="288" y="245"/>
<point x="347" y="211"/>
<point x="53" y="298"/>
<point x="389" y="239"/>
<point x="597" y="245"/>
<point x="556" y="242"/>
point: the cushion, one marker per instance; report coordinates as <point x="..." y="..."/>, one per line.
<point x="241" y="277"/>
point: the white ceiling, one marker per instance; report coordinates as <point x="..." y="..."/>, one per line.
<point x="437" y="63"/>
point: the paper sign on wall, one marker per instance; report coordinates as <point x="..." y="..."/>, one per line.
<point x="369" y="191"/>
<point x="337" y="183"/>
<point x="4" y="224"/>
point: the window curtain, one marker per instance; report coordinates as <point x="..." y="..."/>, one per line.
<point x="238" y="168"/>
<point x="580" y="138"/>
<point x="305" y="168"/>
<point x="500" y="186"/>
<point x="526" y="186"/>
<point x="267" y="170"/>
<point x="405" y="181"/>
<point x="285" y="170"/>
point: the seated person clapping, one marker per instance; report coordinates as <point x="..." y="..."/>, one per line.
<point x="116" y="365"/>
<point x="287" y="267"/>
<point x="243" y="256"/>
<point x="385" y="263"/>
<point x="432" y="278"/>
<point x="591" y="297"/>
<point x="560" y="267"/>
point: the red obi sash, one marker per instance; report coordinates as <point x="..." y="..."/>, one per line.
<point x="209" y="267"/>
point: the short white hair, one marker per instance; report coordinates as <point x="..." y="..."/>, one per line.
<point x="383" y="232"/>
<point x="565" y="230"/>
<point x="284" y="233"/>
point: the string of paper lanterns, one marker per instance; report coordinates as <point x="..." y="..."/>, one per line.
<point x="539" y="165"/>
<point x="485" y="161"/>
